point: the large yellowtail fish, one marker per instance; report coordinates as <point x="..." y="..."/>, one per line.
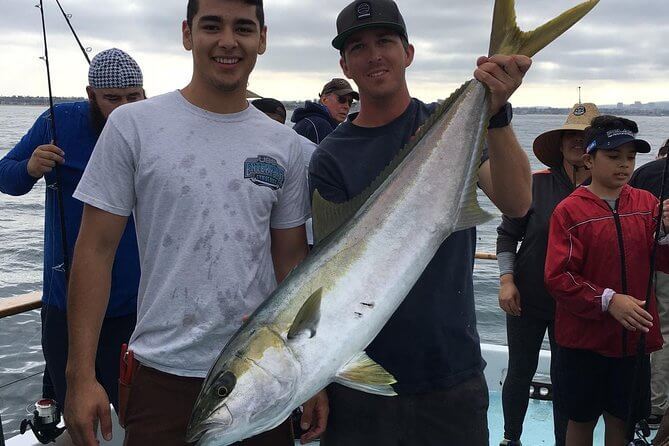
<point x="313" y="330"/>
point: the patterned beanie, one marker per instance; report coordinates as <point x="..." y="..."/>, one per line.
<point x="114" y="68"/>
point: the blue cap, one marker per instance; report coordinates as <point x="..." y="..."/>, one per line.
<point x="612" y="139"/>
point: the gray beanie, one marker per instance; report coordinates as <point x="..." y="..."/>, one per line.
<point x="114" y="68"/>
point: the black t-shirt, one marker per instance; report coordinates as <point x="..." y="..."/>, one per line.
<point x="431" y="341"/>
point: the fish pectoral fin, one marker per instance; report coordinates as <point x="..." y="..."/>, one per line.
<point x="507" y="38"/>
<point x="363" y="374"/>
<point x="308" y="317"/>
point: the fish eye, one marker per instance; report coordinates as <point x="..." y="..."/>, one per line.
<point x="225" y="384"/>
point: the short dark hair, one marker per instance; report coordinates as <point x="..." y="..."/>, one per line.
<point x="193" y="6"/>
<point x="606" y="123"/>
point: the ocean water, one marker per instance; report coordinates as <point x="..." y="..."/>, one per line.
<point x="21" y="233"/>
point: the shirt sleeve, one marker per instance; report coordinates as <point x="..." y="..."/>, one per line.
<point x="14" y="177"/>
<point x="325" y="177"/>
<point x="108" y="181"/>
<point x="292" y="208"/>
<point x="564" y="263"/>
<point x="509" y="233"/>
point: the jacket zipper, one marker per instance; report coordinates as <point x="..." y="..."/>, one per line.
<point x="619" y="230"/>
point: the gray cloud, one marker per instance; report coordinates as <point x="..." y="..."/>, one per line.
<point x="620" y="40"/>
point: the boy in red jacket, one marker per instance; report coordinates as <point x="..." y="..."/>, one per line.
<point x="597" y="269"/>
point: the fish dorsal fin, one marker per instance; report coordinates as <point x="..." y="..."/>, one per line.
<point x="308" y="317"/>
<point x="363" y="374"/>
<point x="507" y="38"/>
<point x="329" y="216"/>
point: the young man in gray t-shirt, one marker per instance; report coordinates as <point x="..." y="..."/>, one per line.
<point x="219" y="194"/>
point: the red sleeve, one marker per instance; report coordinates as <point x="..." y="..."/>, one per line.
<point x="564" y="262"/>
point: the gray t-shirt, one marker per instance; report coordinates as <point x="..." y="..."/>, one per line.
<point x="205" y="190"/>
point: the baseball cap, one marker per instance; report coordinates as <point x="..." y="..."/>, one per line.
<point x="270" y="105"/>
<point x="362" y="14"/>
<point x="340" y="87"/>
<point x="612" y="139"/>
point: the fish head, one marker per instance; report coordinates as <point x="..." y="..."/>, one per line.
<point x="248" y="391"/>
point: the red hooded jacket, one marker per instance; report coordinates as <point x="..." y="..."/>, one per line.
<point x="592" y="247"/>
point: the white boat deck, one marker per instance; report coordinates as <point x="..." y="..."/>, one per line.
<point x="538" y="427"/>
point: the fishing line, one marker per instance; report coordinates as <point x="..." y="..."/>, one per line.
<point x="641" y="345"/>
<point x="67" y="18"/>
<point x="56" y="186"/>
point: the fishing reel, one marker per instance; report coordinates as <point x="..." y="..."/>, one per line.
<point x="642" y="434"/>
<point x="44" y="423"/>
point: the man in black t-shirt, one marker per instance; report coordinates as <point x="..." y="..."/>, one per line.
<point x="430" y="345"/>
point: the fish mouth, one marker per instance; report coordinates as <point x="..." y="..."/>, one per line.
<point x="219" y="420"/>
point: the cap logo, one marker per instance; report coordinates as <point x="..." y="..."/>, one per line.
<point x="614" y="133"/>
<point x="579" y="111"/>
<point x="364" y="10"/>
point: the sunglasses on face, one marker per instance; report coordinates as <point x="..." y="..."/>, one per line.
<point x="345" y="99"/>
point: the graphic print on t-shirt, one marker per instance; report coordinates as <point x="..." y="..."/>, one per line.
<point x="264" y="171"/>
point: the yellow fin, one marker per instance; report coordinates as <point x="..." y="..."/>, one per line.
<point x="363" y="374"/>
<point x="507" y="38"/>
<point x="308" y="317"/>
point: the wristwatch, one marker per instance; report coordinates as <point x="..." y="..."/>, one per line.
<point x="502" y="118"/>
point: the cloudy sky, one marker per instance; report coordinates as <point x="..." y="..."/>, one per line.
<point x="619" y="52"/>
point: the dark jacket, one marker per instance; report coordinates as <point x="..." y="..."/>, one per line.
<point x="549" y="188"/>
<point x="591" y="248"/>
<point x="649" y="177"/>
<point x="313" y="121"/>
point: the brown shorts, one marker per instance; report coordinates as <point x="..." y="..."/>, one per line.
<point x="159" y="408"/>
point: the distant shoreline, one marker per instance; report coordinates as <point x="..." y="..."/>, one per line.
<point x="655" y="109"/>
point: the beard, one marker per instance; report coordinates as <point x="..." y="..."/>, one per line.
<point x="97" y="119"/>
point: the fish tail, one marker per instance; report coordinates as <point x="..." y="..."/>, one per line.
<point x="507" y="38"/>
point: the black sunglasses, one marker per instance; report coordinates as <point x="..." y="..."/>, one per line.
<point x="345" y="99"/>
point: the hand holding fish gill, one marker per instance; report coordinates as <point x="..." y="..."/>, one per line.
<point x="502" y="75"/>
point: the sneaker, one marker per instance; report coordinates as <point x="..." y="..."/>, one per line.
<point x="654" y="421"/>
<point x="506" y="442"/>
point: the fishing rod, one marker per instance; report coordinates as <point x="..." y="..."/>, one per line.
<point x="56" y="186"/>
<point x="630" y="431"/>
<point x="67" y="18"/>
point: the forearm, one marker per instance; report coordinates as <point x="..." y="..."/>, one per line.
<point x="284" y="264"/>
<point x="510" y="175"/>
<point x="289" y="248"/>
<point x="88" y="296"/>
<point x="14" y="177"/>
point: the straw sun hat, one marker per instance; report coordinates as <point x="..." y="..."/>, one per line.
<point x="547" y="146"/>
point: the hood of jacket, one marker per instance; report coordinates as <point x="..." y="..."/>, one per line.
<point x="311" y="110"/>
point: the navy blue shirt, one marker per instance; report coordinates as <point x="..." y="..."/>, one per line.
<point x="313" y="121"/>
<point x="77" y="139"/>
<point x="431" y="342"/>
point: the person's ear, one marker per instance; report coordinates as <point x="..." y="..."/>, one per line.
<point x="263" y="41"/>
<point x="588" y="160"/>
<point x="186" y="36"/>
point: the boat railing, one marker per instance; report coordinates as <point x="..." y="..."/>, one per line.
<point x="12" y="306"/>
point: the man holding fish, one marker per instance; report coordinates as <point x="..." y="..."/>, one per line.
<point x="430" y="344"/>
